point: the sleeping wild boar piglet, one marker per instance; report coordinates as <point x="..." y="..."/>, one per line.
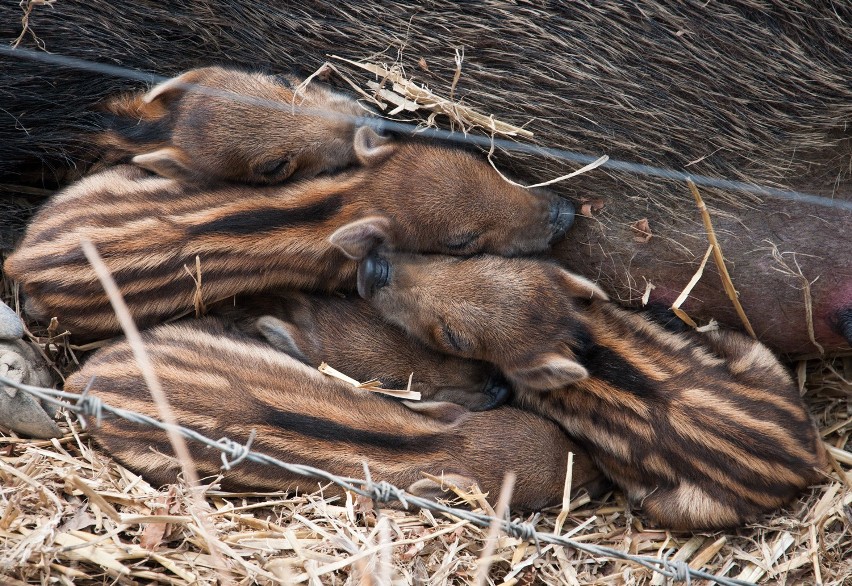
<point x="221" y="124"/>
<point x="153" y="232"/>
<point x="351" y="336"/>
<point x="220" y="382"/>
<point x="699" y="429"/>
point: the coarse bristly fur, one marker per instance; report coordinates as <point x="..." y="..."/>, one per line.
<point x="220" y="382"/>
<point x="222" y="124"/>
<point x="700" y="430"/>
<point x="351" y="336"/>
<point x="633" y="80"/>
<point x="150" y="230"/>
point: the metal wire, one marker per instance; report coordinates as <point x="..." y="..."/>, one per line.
<point x="382" y="124"/>
<point x="382" y="492"/>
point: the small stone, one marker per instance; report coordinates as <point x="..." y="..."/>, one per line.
<point x="11" y="327"/>
<point x="19" y="411"/>
<point x="23" y="414"/>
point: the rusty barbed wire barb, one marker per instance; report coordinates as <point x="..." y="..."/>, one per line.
<point x="382" y="491"/>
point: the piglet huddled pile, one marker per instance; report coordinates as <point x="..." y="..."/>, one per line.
<point x="263" y="203"/>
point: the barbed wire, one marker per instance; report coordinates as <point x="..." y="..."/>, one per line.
<point x="382" y="492"/>
<point x="384" y="124"/>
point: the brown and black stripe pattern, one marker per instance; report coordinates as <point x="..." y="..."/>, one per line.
<point x="222" y="383"/>
<point x="700" y="430"/>
<point x="149" y="231"/>
<point x="248" y="239"/>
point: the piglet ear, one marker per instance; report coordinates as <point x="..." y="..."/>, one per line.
<point x="169" y="162"/>
<point x="175" y="87"/>
<point x="443" y="411"/>
<point x="280" y="336"/>
<point x="371" y="148"/>
<point x="358" y="239"/>
<point x="549" y="372"/>
<point x="582" y="287"/>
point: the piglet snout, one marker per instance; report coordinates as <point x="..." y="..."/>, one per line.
<point x="373" y="274"/>
<point x="561" y="218"/>
<point x="498" y="392"/>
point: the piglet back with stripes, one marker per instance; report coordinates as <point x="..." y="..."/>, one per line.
<point x="304" y="417"/>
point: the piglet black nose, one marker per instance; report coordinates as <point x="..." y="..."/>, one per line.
<point x="373" y="274"/>
<point x="498" y="392"/>
<point x="561" y="218"/>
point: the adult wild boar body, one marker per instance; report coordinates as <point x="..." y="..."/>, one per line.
<point x="750" y="91"/>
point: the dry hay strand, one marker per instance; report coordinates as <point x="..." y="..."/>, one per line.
<point x="784" y="267"/>
<point x="27" y="6"/>
<point x="374" y="386"/>
<point x="719" y="258"/>
<point x="688" y="289"/>
<point x="408" y="96"/>
<point x="70" y="514"/>
<point x="727" y="285"/>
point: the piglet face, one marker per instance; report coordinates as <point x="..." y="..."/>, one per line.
<point x="350" y="335"/>
<point x="448" y="201"/>
<point x="521" y="315"/>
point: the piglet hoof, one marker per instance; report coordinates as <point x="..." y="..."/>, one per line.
<point x="19" y="411"/>
<point x="843" y="323"/>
